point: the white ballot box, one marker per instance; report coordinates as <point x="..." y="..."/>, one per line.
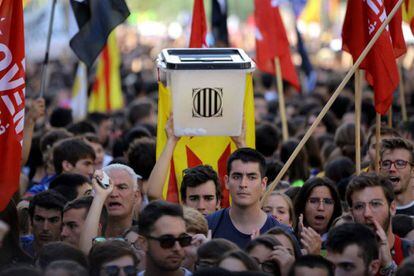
<point x="207" y="88"/>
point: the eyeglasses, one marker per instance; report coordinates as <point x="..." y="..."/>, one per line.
<point x="168" y="241"/>
<point x="374" y="204"/>
<point x="103" y="239"/>
<point x="113" y="270"/>
<point x="399" y="164"/>
<point x="270" y="267"/>
<point x="316" y="201"/>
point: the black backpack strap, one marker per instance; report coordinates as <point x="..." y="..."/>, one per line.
<point x="215" y="221"/>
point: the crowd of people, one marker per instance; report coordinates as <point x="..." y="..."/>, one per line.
<point x="321" y="219"/>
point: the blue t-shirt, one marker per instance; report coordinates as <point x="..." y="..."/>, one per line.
<point x="222" y="227"/>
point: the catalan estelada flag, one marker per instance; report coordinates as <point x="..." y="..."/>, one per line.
<point x="408" y="13"/>
<point x="197" y="150"/>
<point x="106" y="93"/>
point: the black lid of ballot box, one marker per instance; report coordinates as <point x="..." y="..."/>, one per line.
<point x="204" y="59"/>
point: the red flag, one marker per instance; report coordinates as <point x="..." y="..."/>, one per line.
<point x="12" y="89"/>
<point x="272" y="41"/>
<point x="395" y="29"/>
<point x="362" y="21"/>
<point x="198" y="26"/>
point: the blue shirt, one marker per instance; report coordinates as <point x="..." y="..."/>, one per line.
<point x="222" y="227"/>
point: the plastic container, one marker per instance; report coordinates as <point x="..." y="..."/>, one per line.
<point x="207" y="88"/>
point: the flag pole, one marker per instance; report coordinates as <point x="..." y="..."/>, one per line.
<point x="390" y="117"/>
<point x="330" y="102"/>
<point x="46" y="61"/>
<point x="358" y="96"/>
<point x="377" y="141"/>
<point x="402" y="94"/>
<point x="282" y="108"/>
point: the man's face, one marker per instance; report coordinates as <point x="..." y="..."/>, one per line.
<point x="83" y="166"/>
<point x="104" y="131"/>
<point x="372" y="144"/>
<point x="166" y="259"/>
<point x="99" y="155"/>
<point x="84" y="190"/>
<point x="203" y="198"/>
<point x="400" y="178"/>
<point x="245" y="183"/>
<point x="371" y="204"/>
<point x="47" y="224"/>
<point x="120" y="203"/>
<point x="351" y="263"/>
<point x="73" y="220"/>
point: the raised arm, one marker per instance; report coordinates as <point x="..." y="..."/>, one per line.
<point x="159" y="172"/>
<point x="35" y="111"/>
<point x="91" y="225"/>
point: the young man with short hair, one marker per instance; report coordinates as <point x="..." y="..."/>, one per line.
<point x="74" y="216"/>
<point x="71" y="185"/>
<point x="246" y="183"/>
<point x="200" y="189"/>
<point x="45" y="210"/>
<point x="371" y="200"/>
<point x="163" y="237"/>
<point x="75" y="156"/>
<point x="353" y="249"/>
<point x="397" y="157"/>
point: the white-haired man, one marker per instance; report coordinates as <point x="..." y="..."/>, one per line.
<point x="119" y="199"/>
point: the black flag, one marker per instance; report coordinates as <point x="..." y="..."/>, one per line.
<point x="96" y="19"/>
<point x="219" y="23"/>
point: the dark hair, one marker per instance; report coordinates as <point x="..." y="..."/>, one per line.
<point x="98" y="117"/>
<point x="107" y="251"/>
<point x="71" y="150"/>
<point x="81" y="127"/>
<point x="67" y="184"/>
<point x="384" y="131"/>
<point x="299" y="170"/>
<point x="196" y="176"/>
<point x="139" y="110"/>
<point x="277" y="230"/>
<point x="55" y="251"/>
<point x="247" y="155"/>
<point x="70" y="267"/>
<point x="292" y="192"/>
<point x="267" y="139"/>
<point x="48" y="200"/>
<point x="214" y="249"/>
<point x="141" y="156"/>
<point x="272" y="170"/>
<point x="397" y="143"/>
<point x="339" y="168"/>
<point x="306" y="190"/>
<point x="267" y="241"/>
<point x="402" y="225"/>
<point x="10" y="251"/>
<point x="61" y="117"/>
<point x="329" y="120"/>
<point x="247" y="261"/>
<point x="20" y="270"/>
<point x="52" y="136"/>
<point x="345" y="139"/>
<point x="85" y="203"/>
<point x="348" y="234"/>
<point x="91" y="138"/>
<point x="154" y="211"/>
<point x="312" y="261"/>
<point x="367" y="180"/>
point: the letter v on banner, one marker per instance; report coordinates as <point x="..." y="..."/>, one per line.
<point x="12" y="92"/>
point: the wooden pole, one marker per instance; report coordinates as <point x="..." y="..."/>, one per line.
<point x="402" y="95"/>
<point x="377" y="142"/>
<point x="330" y="102"/>
<point x="358" y="96"/>
<point x="390" y="117"/>
<point x="282" y="107"/>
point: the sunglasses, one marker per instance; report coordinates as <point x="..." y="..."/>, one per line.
<point x="168" y="241"/>
<point x="113" y="270"/>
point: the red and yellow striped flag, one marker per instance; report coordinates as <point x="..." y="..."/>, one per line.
<point x="107" y="92"/>
<point x="197" y="150"/>
<point x="408" y="13"/>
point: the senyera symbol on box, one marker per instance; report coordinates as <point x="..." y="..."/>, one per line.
<point x="207" y="102"/>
